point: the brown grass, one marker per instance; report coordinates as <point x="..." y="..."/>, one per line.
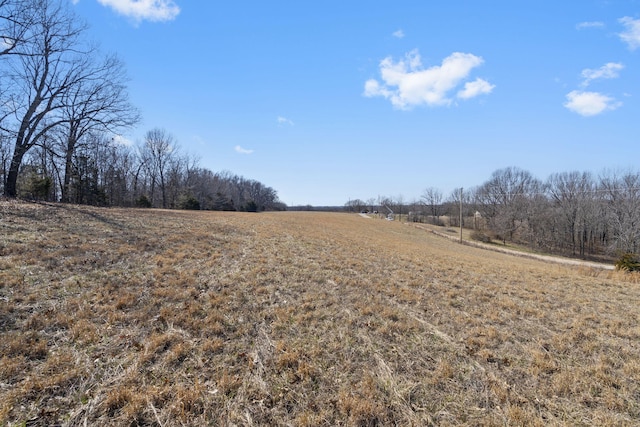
<point x="149" y="317"/>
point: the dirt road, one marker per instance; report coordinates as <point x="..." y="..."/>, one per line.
<point x="547" y="258"/>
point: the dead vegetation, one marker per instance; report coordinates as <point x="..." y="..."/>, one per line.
<point x="145" y="317"/>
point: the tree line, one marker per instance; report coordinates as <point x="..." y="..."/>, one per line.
<point x="572" y="213"/>
<point x="63" y="104"/>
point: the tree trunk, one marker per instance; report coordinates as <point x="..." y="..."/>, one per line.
<point x="68" y="169"/>
<point x="10" y="188"/>
<point x="163" y="187"/>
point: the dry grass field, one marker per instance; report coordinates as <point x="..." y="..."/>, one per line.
<point x="148" y="317"/>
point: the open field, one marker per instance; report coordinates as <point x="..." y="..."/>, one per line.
<point x="147" y="317"/>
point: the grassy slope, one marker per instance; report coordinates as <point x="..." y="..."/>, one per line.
<point x="141" y="317"/>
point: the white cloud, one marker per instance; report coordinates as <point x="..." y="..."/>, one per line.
<point x="607" y="71"/>
<point x="284" y="121"/>
<point x="592" y="24"/>
<point x="631" y="35"/>
<point x="407" y="83"/>
<point x="475" y="88"/>
<point x="151" y="10"/>
<point x="121" y="140"/>
<point x="241" y="150"/>
<point x="398" y="34"/>
<point x="6" y="43"/>
<point x="590" y="103"/>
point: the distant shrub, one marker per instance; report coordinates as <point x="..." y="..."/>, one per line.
<point x="628" y="262"/>
<point x="36" y="187"/>
<point x="190" y="203"/>
<point x="143" y="202"/>
<point x="480" y="236"/>
<point x="40" y="187"/>
<point x="251" y="206"/>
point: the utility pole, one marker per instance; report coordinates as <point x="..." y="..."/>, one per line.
<point x="460" y="214"/>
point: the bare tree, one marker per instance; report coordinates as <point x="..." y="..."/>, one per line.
<point x="260" y="197"/>
<point x="432" y="198"/>
<point x="5" y="157"/>
<point x="453" y="205"/>
<point x="181" y="179"/>
<point x="200" y="182"/>
<point x="117" y="171"/>
<point x="16" y="19"/>
<point x="622" y="197"/>
<point x="572" y="194"/>
<point x="503" y="199"/>
<point x="157" y="153"/>
<point x="530" y="213"/>
<point x="53" y="60"/>
<point x="96" y="103"/>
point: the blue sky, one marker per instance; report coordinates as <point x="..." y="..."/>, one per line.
<point x="335" y="100"/>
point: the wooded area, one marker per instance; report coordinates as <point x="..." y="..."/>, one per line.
<point x="64" y="105"/>
<point x="571" y="213"/>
